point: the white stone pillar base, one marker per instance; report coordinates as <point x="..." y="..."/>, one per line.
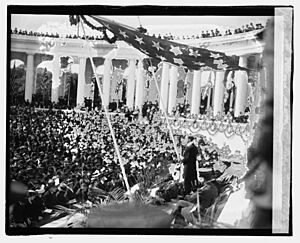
<point x="218" y="93"/>
<point x="196" y="93"/>
<point x="173" y="88"/>
<point x="130" y="84"/>
<point x="55" y="79"/>
<point x="29" y="78"/>
<point x="241" y="83"/>
<point x="106" y="81"/>
<point x="140" y="86"/>
<point x="164" y="87"/>
<point x="81" y="82"/>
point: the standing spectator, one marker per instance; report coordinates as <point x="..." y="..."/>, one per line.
<point x="189" y="162"/>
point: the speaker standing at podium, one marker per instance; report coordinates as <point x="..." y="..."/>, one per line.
<point x="189" y="162"/>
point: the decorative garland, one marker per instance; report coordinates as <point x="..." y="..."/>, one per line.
<point x="74" y="20"/>
<point x="212" y="127"/>
<point x="224" y="152"/>
<point x="222" y="127"/>
<point x="229" y="132"/>
<point x="89" y="24"/>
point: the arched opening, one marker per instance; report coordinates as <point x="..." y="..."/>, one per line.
<point x="229" y="94"/>
<point x="95" y="99"/>
<point x="91" y="94"/>
<point x="17" y="81"/>
<point x="119" y="84"/>
<point x="117" y="96"/>
<point x="69" y="89"/>
<point x="43" y="84"/>
<point x="42" y="96"/>
<point x="69" y="81"/>
<point x="207" y="88"/>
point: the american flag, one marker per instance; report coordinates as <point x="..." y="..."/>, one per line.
<point x="190" y="57"/>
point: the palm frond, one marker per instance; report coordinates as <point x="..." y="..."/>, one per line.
<point x="116" y="195"/>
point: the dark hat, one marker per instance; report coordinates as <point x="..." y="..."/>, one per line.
<point x="62" y="187"/>
<point x="41" y="190"/>
<point x="51" y="183"/>
<point x="31" y="193"/>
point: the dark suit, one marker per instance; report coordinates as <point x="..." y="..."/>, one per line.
<point x="33" y="210"/>
<point x="61" y="198"/>
<point x="190" y="173"/>
<point x="208" y="194"/>
<point x="50" y="199"/>
<point x="19" y="212"/>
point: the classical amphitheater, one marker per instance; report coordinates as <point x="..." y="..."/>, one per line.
<point x="150" y="108"/>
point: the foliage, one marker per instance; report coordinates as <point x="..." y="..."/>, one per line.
<point x="17" y="80"/>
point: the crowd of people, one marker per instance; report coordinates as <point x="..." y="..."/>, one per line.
<point x="149" y="109"/>
<point x="33" y="33"/>
<point x="245" y="28"/>
<point x="168" y="36"/>
<point x="212" y="33"/>
<point x="63" y="157"/>
<point x="183" y="110"/>
<point x="52" y="35"/>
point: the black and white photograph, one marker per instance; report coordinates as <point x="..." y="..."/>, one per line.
<point x="149" y="119"/>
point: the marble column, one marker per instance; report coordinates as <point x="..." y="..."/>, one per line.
<point x="106" y="81"/>
<point x="218" y="93"/>
<point x="130" y="84"/>
<point x="81" y="82"/>
<point x="140" y="86"/>
<point x="243" y="61"/>
<point x="164" y="86"/>
<point x="55" y="78"/>
<point x="196" y="92"/>
<point x="29" y="78"/>
<point x="210" y="79"/>
<point x="241" y="83"/>
<point x="173" y="88"/>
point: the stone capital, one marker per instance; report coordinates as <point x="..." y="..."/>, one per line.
<point x="30" y="53"/>
<point x="132" y="59"/>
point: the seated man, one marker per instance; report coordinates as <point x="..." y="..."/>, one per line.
<point x="33" y="208"/>
<point x="207" y="196"/>
<point x="61" y="198"/>
<point x="50" y="197"/>
<point x="82" y="193"/>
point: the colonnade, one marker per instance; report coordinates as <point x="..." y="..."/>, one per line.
<point x="136" y="85"/>
<point x="169" y="88"/>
